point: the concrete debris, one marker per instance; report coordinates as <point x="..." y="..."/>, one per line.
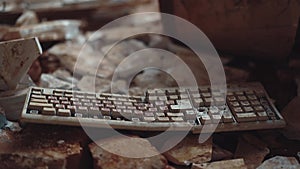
<point x="119" y="87"/>
<point x="50" y="81"/>
<point x="46" y="31"/>
<point x="94" y="84"/>
<point x="220" y="153"/>
<point x="124" y="48"/>
<point x="49" y="62"/>
<point x="279" y="162"/>
<point x="115" y="34"/>
<point x="126" y="153"/>
<point x="27" y="18"/>
<point x="226" y="164"/>
<point x="252" y="150"/>
<point x="189" y="150"/>
<point x="136" y="91"/>
<point x="152" y="78"/>
<point x="82" y="60"/>
<point x="65" y="75"/>
<point x="36" y="147"/>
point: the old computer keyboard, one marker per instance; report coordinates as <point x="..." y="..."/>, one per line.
<point x="245" y="107"/>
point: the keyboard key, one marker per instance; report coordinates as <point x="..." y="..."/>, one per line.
<point x="64" y="112"/>
<point x="149" y="119"/>
<point x="184" y="104"/>
<point x="231" y="98"/>
<point x="34" y="112"/>
<point x="205" y="119"/>
<point x="39" y="100"/>
<point x="190" y="115"/>
<point x="163" y="119"/>
<point x="246" y="117"/>
<point x="263" y="116"/>
<point x="39" y="106"/>
<point x="238" y="110"/>
<point x="35" y="96"/>
<point x="48" y="111"/>
<point x="227" y="118"/>
<point x="175" y="114"/>
<point x="176" y="119"/>
<point x="235" y="104"/>
<point x="245" y="103"/>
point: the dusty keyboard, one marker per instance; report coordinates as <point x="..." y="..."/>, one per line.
<point x="199" y="109"/>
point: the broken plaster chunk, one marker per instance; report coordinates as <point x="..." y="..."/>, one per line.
<point x="226" y="164"/>
<point x="279" y="162"/>
<point x="16" y="57"/>
<point x="189" y="150"/>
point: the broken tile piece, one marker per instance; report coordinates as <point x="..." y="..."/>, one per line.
<point x="16" y="57"/>
<point x="189" y="150"/>
<point x="280" y="162"/>
<point x="252" y="150"/>
<point x="226" y="164"/>
<point x="126" y="153"/>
